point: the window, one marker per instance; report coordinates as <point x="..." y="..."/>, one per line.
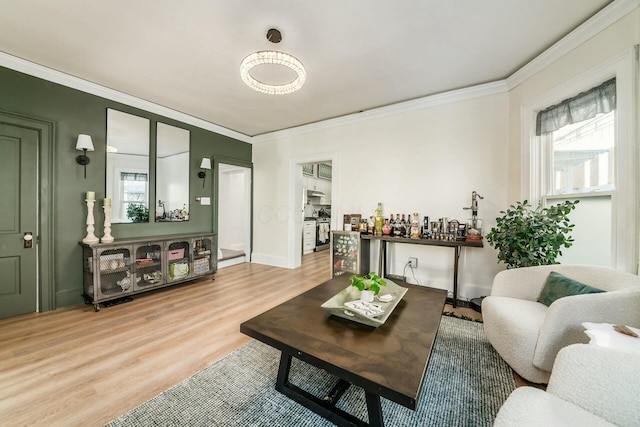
<point x="582" y="155"/>
<point x="602" y="175"/>
<point x="135" y="187"/>
<point x="581" y="164"/>
<point x="578" y="149"/>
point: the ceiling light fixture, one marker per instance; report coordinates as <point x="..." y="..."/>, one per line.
<point x="274" y="57"/>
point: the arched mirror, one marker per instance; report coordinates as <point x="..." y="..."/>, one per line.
<point x="172" y="173"/>
<point x="128" y="167"/>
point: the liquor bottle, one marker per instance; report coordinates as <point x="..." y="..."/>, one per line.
<point x="370" y="225"/>
<point x="396" y="226"/>
<point x="391" y="221"/>
<point x="403" y="226"/>
<point x="409" y="225"/>
<point x="415" y="227"/>
<point x="379" y="221"/>
<point x="425" y="228"/>
<point x="386" y="230"/>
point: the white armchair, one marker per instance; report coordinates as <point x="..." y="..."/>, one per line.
<point x="528" y="334"/>
<point x="590" y="386"/>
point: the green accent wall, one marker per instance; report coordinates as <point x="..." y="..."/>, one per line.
<point x="74" y="112"/>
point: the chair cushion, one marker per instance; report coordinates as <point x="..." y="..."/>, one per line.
<point x="558" y="286"/>
<point x="531" y="407"/>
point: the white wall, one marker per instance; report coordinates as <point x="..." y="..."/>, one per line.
<point x="427" y="161"/>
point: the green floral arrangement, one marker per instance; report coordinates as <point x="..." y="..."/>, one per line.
<point x="370" y="281"/>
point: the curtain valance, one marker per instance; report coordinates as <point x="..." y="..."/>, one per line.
<point x="586" y="105"/>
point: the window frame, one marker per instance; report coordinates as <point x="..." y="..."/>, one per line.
<point x="624" y="251"/>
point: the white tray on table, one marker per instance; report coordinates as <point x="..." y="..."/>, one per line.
<point x="336" y="304"/>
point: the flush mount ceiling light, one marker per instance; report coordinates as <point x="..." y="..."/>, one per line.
<point x="272" y="57"/>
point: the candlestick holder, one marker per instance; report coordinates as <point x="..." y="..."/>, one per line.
<point x="91" y="238"/>
<point x="107" y="238"/>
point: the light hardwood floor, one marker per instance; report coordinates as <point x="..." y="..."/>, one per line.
<point x="75" y="367"/>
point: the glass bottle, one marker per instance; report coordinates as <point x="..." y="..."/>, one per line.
<point x="379" y="221"/>
<point x="386" y="230"/>
<point x="370" y="225"/>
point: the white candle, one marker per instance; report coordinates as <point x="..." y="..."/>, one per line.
<point x="91" y="195"/>
<point x="106" y="202"/>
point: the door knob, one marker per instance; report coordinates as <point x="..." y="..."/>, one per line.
<point x="28" y="239"/>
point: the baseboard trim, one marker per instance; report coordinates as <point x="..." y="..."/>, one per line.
<point x="68" y="297"/>
<point x="271" y="260"/>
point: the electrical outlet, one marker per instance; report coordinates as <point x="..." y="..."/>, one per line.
<point x="413" y="262"/>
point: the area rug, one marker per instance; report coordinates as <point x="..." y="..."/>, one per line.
<point x="465" y="385"/>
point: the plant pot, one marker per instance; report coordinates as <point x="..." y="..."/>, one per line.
<point x="366" y="295"/>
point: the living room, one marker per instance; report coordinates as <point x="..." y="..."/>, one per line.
<point x="425" y="155"/>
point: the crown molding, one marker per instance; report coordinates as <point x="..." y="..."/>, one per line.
<point x="64" y="79"/>
<point x="591" y="27"/>
<point x="390" y="110"/>
<point x="603" y="19"/>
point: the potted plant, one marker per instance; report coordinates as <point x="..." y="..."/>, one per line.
<point x="525" y="236"/>
<point x="368" y="285"/>
<point x="137" y="213"/>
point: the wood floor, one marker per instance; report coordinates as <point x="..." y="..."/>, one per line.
<point x="75" y="367"/>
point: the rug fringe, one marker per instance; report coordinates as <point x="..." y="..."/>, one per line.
<point x="460" y="316"/>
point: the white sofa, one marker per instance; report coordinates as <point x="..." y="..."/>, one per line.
<point x="590" y="386"/>
<point x="528" y="334"/>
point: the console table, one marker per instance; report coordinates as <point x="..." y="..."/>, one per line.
<point x="456" y="245"/>
<point x="131" y="266"/>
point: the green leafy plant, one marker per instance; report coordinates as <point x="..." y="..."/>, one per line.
<point x="525" y="236"/>
<point x="137" y="213"/>
<point x="369" y="281"/>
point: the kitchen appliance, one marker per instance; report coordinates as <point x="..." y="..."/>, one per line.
<point x="323" y="233"/>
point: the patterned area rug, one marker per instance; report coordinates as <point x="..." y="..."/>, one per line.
<point x="465" y="385"/>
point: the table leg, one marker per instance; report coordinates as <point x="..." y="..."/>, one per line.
<point x="326" y="407"/>
<point x="456" y="257"/>
<point x="382" y="259"/>
<point x="375" y="410"/>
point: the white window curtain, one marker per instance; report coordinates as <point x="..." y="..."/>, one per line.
<point x="586" y="105"/>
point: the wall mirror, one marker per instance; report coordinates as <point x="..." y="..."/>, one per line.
<point x="128" y="167"/>
<point x="172" y="173"/>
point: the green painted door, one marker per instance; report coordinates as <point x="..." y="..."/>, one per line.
<point x="18" y="215"/>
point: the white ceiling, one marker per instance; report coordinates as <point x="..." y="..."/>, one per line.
<point x="359" y="54"/>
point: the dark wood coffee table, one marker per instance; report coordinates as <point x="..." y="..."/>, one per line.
<point x="389" y="361"/>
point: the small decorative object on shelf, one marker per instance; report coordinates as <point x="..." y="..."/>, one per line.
<point x="90" y="200"/>
<point x="474" y="224"/>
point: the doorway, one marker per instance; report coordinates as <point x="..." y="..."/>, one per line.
<point x="234" y="214"/>
<point x="300" y="176"/>
<point x="25" y="212"/>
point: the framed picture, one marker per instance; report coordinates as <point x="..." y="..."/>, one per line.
<point x="307" y="169"/>
<point x="324" y="171"/>
<point x="355" y="221"/>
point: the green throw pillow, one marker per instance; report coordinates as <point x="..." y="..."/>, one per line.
<point x="558" y="286"/>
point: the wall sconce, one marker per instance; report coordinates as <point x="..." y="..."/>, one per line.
<point x="85" y="144"/>
<point x="204" y="165"/>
